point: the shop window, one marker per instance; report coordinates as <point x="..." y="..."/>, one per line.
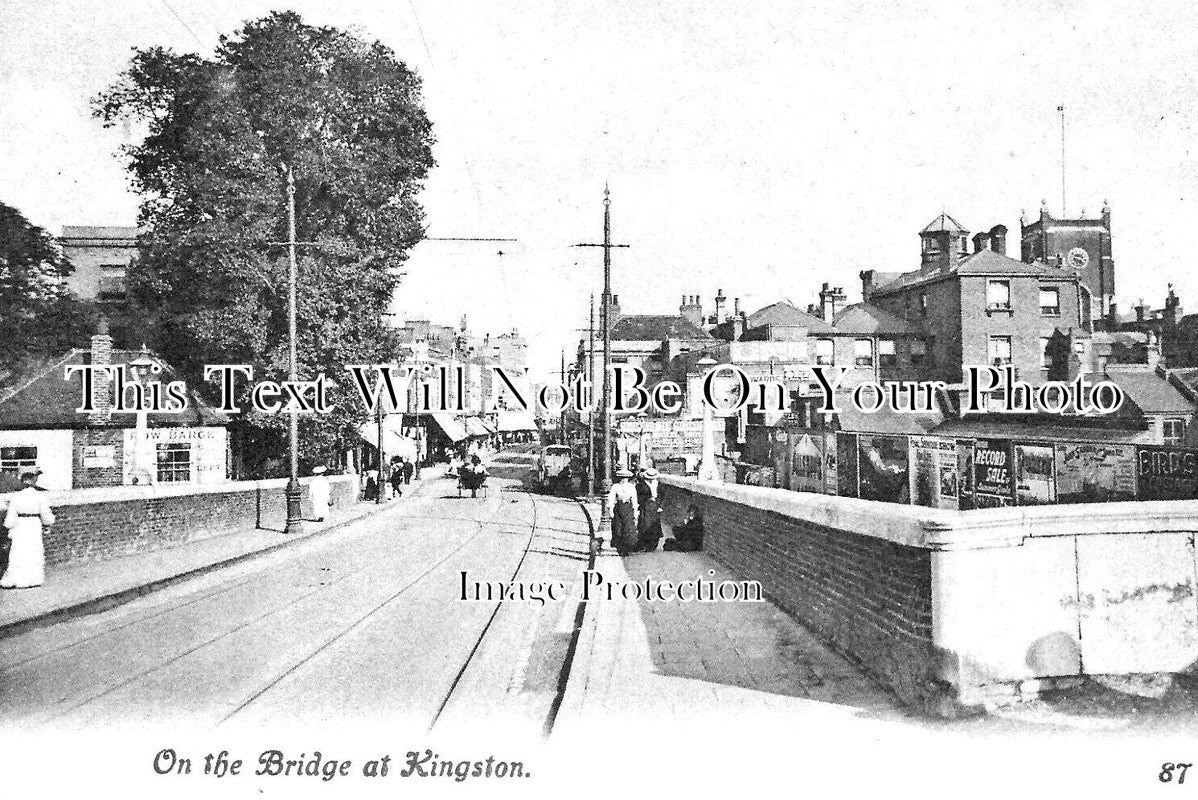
<point x="174" y="462"/>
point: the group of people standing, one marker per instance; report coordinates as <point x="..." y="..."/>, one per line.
<point x="397" y="474"/>
<point x="635" y="511"/>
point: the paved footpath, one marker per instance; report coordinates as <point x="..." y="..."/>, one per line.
<point x="638" y="659"/>
<point x="92" y="586"/>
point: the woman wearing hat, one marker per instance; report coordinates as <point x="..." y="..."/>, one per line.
<point x="649" y="530"/>
<point x="621" y="506"/>
<point x="320" y="492"/>
<point x="28" y="513"/>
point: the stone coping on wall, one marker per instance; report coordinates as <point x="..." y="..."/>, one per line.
<point x="943" y="529"/>
<point x="114" y="494"/>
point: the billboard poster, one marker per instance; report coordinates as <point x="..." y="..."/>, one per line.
<point x="1088" y="472"/>
<point x="830" y="486"/>
<point x="846" y="464"/>
<point x="806" y="463"/>
<point x="992" y="469"/>
<point x="933" y="458"/>
<point x="778" y="457"/>
<point x="1166" y="473"/>
<point x="883" y="464"/>
<point x="1034" y="480"/>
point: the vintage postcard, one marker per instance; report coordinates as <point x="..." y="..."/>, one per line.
<point x="568" y="399"/>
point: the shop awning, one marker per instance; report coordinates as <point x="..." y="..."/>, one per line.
<point x="510" y="421"/>
<point x="476" y="427"/>
<point x="394" y="441"/>
<point x="449" y="426"/>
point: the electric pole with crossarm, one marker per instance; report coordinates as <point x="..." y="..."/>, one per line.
<point x="605" y="322"/>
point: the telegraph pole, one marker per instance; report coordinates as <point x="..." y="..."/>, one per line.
<point x="605" y="321"/>
<point x="591" y="413"/>
<point x="1061" y="108"/>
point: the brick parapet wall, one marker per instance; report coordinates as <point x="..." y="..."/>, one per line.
<point x="868" y="597"/>
<point x="957" y="609"/>
<point x="94" y="524"/>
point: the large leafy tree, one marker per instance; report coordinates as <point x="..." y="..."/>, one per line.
<point x="346" y="117"/>
<point x="39" y="318"/>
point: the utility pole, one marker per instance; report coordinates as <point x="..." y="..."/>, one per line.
<point x="604" y="313"/>
<point x="591" y="413"/>
<point x="561" y="417"/>
<point x="1061" y="108"/>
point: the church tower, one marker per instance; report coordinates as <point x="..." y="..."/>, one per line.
<point x="1081" y="245"/>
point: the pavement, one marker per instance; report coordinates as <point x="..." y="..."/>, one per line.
<point x="661" y="660"/>
<point x="90" y="587"/>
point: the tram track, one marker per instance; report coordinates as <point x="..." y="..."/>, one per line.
<point x="297" y="663"/>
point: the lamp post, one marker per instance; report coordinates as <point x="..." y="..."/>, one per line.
<point x="142" y="366"/>
<point x="707" y="468"/>
<point x="293" y="493"/>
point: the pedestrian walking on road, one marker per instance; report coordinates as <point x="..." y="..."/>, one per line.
<point x="622" y="508"/>
<point x="409" y="469"/>
<point x="649" y="527"/>
<point x="321" y="494"/>
<point x="27" y="517"/>
<point x="397" y="475"/>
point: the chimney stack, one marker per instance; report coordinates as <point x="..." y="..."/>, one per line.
<point x="867" y="284"/>
<point x="998" y="239"/>
<point x="101" y="355"/>
<point x="981" y="241"/>
<point x="691" y="310"/>
<point x="830" y="300"/>
<point x="720" y="312"/>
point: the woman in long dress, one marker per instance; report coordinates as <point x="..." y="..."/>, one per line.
<point x="622" y="508"/>
<point x="28" y="512"/>
<point x="320" y="492"/>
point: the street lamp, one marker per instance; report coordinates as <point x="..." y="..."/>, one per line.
<point x="293" y="493"/>
<point x="142" y="366"/>
<point x="707" y="468"/>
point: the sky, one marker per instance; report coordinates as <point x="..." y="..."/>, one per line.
<point x="760" y="148"/>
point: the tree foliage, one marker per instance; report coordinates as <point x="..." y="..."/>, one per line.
<point x="346" y="116"/>
<point x="39" y="318"/>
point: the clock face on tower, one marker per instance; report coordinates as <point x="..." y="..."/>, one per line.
<point x="1078" y="258"/>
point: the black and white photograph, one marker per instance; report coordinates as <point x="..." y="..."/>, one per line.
<point x="543" y="399"/>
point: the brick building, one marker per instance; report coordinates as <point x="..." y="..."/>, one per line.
<point x="40" y="427"/>
<point x="981" y="307"/>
